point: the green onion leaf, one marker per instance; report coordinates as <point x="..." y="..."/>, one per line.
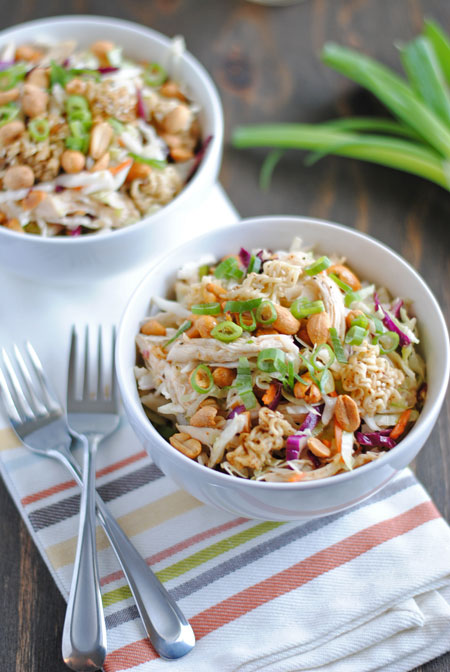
<point x="360" y="321"/>
<point x="248" y="326"/>
<point x="201" y="379"/>
<point x="243" y="384"/>
<point x="154" y="163"/>
<point x="426" y="77"/>
<point x="202" y="271"/>
<point x="337" y="346"/>
<point x="117" y="125"/>
<point x="320" y="366"/>
<point x="388" y="342"/>
<point x="229" y="268"/>
<point x="154" y="74"/>
<point x="206" y="309"/>
<point x="441" y="43"/>
<point x="302" y="308"/>
<point x="254" y="265"/>
<point x="271" y="360"/>
<point x="320" y="265"/>
<point x="226" y="331"/>
<point x="184" y="327"/>
<point x="12" y="76"/>
<point x="268" y="166"/>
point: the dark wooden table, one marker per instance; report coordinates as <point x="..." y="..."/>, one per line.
<point x="264" y="61"/>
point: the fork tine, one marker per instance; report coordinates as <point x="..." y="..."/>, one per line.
<point x="71" y="385"/>
<point x="37" y="406"/>
<point x="100" y="389"/>
<point x="51" y="399"/>
<point x="21" y="403"/>
<point x="113" y="369"/>
<point x="86" y="364"/>
<point x="8" y="401"/>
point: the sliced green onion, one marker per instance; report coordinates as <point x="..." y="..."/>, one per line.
<point x="388" y="341"/>
<point x="254" y="264"/>
<point x="326" y="381"/>
<point x="248" y="326"/>
<point x="226" y="331"/>
<point x="243" y="384"/>
<point x="302" y="308"/>
<point x="350" y="294"/>
<point x="311" y="371"/>
<point x="355" y="335"/>
<point x="291" y="374"/>
<point x="84" y="116"/>
<point x="8" y="112"/>
<point x="340" y="283"/>
<point x="79" y="139"/>
<point x="320" y="265"/>
<point x="319" y="366"/>
<point x="379" y="328"/>
<point x="261" y="313"/>
<point x="206" y="309"/>
<point x="154" y="74"/>
<point x="271" y="360"/>
<point x="154" y="163"/>
<point x="203" y="270"/>
<point x="117" y="125"/>
<point x="184" y="327"/>
<point x="39" y="129"/>
<point x="229" y="268"/>
<point x="360" y="321"/>
<point x="201" y="375"/>
<point x="12" y="76"/>
<point x="337" y="346"/>
<point x="242" y="306"/>
<point x="76" y="104"/>
<point x="350" y="297"/>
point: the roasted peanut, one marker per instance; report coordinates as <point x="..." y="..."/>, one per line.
<point x="101" y="137"/>
<point x="8" y="96"/>
<point x="263" y="331"/>
<point x="193" y="332"/>
<point x="352" y="315"/>
<point x="11" y="132"/>
<point x="28" y="53"/>
<point x="186" y="445"/>
<point x="32" y="199"/>
<point x="219" y="291"/>
<point x="180" y="154"/>
<point x="318" y="327"/>
<point x="318" y="448"/>
<point x="285" y="323"/>
<point x="39" y="77"/>
<point x="138" y="171"/>
<point x="209" y="401"/>
<point x="346" y="413"/>
<point x="309" y="392"/>
<point x="346" y="275"/>
<point x="101" y="49"/>
<point x="153" y="328"/>
<point x="171" y="90"/>
<point x="76" y="87"/>
<point x="101" y="164"/>
<point x="204" y="417"/>
<point x="177" y="120"/>
<point x="223" y="377"/>
<point x="14" y="225"/>
<point x="18" y="177"/>
<point x="72" y="161"/>
<point x="172" y="141"/>
<point x="34" y="100"/>
<point x="205" y="324"/>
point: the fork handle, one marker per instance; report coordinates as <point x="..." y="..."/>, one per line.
<point x="167" y="627"/>
<point x="84" y="632"/>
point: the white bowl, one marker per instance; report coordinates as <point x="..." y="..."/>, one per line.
<point x="289" y="501"/>
<point x="92" y="257"/>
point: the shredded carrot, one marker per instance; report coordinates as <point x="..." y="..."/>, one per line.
<point x="269" y="396"/>
<point x="338" y="435"/>
<point x="401" y="424"/>
<point x="333" y="394"/>
<point x="295" y="477"/>
<point x="116" y="169"/>
<point x="327" y="442"/>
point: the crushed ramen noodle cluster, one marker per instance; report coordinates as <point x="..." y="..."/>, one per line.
<point x="90" y="140"/>
<point x="280" y="366"/>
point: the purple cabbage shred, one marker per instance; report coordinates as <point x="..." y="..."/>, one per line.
<point x="375" y="439"/>
<point x="244" y="256"/>
<point x="236" y="410"/>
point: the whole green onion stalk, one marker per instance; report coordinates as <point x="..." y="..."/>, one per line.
<point x="418" y="139"/>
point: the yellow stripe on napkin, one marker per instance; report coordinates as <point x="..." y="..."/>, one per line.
<point x="8" y="440"/>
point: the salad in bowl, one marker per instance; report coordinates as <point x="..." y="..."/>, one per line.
<point x="91" y="140"/>
<point x="280" y="365"/>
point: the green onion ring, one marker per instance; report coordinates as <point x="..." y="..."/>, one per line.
<point x="242" y="306"/>
<point x="226" y="331"/>
<point x="248" y="326"/>
<point x="154" y="75"/>
<point x="302" y="308"/>
<point x="337" y="346"/>
<point x="320" y="265"/>
<point x="39" y="129"/>
<point x="380" y="339"/>
<point x="320" y="347"/>
<point x="202" y="371"/>
<point x="206" y="309"/>
<point x="263" y="306"/>
<point x="8" y="113"/>
<point x="355" y="335"/>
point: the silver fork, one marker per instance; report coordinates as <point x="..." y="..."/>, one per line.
<point x="84" y="632"/>
<point x="40" y="422"/>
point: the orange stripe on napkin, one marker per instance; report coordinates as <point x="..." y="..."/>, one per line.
<point x="289" y="579"/>
<point x="42" y="494"/>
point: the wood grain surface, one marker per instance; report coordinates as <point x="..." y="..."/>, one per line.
<point x="264" y="61"/>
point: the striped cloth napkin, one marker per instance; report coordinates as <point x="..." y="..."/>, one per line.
<point x="364" y="589"/>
